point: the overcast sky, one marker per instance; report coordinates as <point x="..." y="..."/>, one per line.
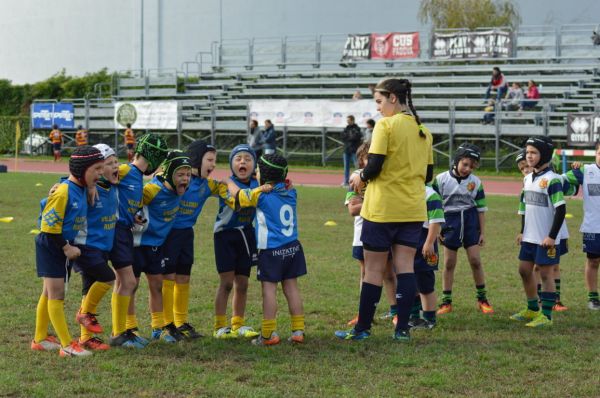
<point x="40" y="37"/>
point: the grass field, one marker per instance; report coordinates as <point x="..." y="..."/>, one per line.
<point x="468" y="354"/>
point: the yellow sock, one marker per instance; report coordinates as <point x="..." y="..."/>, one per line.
<point x="297" y="322"/>
<point x="167" y="295"/>
<point x="158" y="320"/>
<point x="84" y="334"/>
<point x="268" y="327"/>
<point x="119" y="305"/>
<point x="236" y="322"/>
<point x="181" y="299"/>
<point x="131" y="321"/>
<point x="41" y="319"/>
<point x="93" y="297"/>
<point x="220" y="321"/>
<point x="56" y="311"/>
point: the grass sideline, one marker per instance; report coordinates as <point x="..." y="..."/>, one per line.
<point x="468" y="354"/>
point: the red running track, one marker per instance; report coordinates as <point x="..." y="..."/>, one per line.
<point x="492" y="185"/>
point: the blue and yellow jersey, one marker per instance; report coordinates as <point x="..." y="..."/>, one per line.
<point x="131" y="181"/>
<point x="227" y="218"/>
<point x="275" y="215"/>
<point x="65" y="211"/>
<point x="160" y="208"/>
<point x="192" y="201"/>
<point x="99" y="231"/>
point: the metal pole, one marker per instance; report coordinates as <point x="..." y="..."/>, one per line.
<point x="285" y="138"/>
<point x="451" y="111"/>
<point x="220" y="21"/>
<point x="160" y="33"/>
<point x="213" y="126"/>
<point x="142" y="36"/>
<point x="323" y="146"/>
<point x="179" y="124"/>
<point x="497" y="123"/>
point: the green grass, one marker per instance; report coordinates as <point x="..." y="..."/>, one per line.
<point x="468" y="354"/>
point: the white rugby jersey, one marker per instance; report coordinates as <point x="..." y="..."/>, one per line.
<point x="588" y="176"/>
<point x="460" y="195"/>
<point x="541" y="196"/>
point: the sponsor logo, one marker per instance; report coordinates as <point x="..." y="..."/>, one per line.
<point x="126" y="113"/>
<point x="579" y="125"/>
<point x="536" y="198"/>
<point x="287" y="252"/>
<point x="594" y="189"/>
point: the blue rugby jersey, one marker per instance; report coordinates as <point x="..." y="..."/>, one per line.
<point x="276" y="223"/>
<point x="99" y="230"/>
<point x="131" y="181"/>
<point x="160" y="207"/>
<point x="65" y="211"/>
<point x="227" y="218"/>
<point x="192" y="201"/>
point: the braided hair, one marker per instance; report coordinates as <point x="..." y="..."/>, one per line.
<point x="273" y="168"/>
<point x="402" y="89"/>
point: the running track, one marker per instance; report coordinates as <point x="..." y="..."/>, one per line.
<point x="492" y="185"/>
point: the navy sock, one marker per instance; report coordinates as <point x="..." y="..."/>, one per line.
<point x="429" y="316"/>
<point x="405" y="296"/>
<point x="548" y="300"/>
<point x="369" y="298"/>
<point x="415" y="311"/>
<point x="393" y="309"/>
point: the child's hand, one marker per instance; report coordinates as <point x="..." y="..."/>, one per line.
<point x="53" y="189"/>
<point x="519" y="239"/>
<point x="138" y="218"/>
<point x="92" y="196"/>
<point x="548" y="242"/>
<point x="72" y="252"/>
<point x="356" y="183"/>
<point x="576" y="165"/>
<point x="266" y="188"/>
<point x="428" y="250"/>
<point x="355" y="200"/>
<point x="481" y="240"/>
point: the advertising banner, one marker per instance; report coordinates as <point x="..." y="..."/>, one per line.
<point x="158" y="115"/>
<point x="479" y="44"/>
<point x="394" y="45"/>
<point x="357" y="47"/>
<point x="46" y="114"/>
<point x="583" y="129"/>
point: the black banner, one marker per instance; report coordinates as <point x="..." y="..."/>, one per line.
<point x="357" y="47"/>
<point x="484" y="44"/>
<point x="583" y="129"/>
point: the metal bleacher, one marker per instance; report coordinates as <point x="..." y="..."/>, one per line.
<point x="447" y="93"/>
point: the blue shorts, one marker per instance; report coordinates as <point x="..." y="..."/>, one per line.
<point x="461" y="229"/>
<point x="56" y="147"/>
<point x="284" y="262"/>
<point x="421" y="264"/>
<point x="235" y="250"/>
<point x="564" y="246"/>
<point x="148" y="259"/>
<point x="591" y="245"/>
<point x="93" y="265"/>
<point x="178" y="251"/>
<point x="50" y="261"/>
<point x="121" y="255"/>
<point x="357" y="253"/>
<point x="381" y="236"/>
<point x="425" y="282"/>
<point x="539" y="255"/>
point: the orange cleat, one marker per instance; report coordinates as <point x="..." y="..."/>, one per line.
<point x="444" y="308"/>
<point x="559" y="307"/>
<point x="50" y="343"/>
<point x="88" y="321"/>
<point x="74" y="350"/>
<point x="94" y="344"/>
<point x="353" y="321"/>
<point x="485" y="307"/>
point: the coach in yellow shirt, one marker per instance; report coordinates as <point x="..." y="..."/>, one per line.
<point x="400" y="163"/>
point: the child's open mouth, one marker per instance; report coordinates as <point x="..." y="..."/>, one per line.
<point x="243" y="169"/>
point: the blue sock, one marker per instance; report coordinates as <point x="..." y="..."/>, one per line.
<point x="405" y="296"/>
<point x="369" y="298"/>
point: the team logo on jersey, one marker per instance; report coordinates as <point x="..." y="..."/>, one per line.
<point x="51" y="218"/>
<point x="544" y="183"/>
<point x="470" y="186"/>
<point x="432" y="260"/>
<point x="551" y="252"/>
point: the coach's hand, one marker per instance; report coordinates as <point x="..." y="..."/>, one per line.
<point x="548" y="242"/>
<point x="356" y="183"/>
<point x="72" y="252"/>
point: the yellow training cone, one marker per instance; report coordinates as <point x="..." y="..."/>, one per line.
<point x="330" y="223"/>
<point x="6" y="219"/>
<point x="34" y="231"/>
<point x="39" y="184"/>
<point x="569" y="215"/>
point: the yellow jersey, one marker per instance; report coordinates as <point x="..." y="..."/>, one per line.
<point x="397" y="194"/>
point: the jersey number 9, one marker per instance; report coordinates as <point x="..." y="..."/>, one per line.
<point x="286" y="214"/>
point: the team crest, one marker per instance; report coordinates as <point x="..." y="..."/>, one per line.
<point x="551" y="252"/>
<point x="470" y="186"/>
<point x="432" y="260"/>
<point x="544" y="183"/>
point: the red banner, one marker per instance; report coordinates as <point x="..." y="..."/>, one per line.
<point x="394" y="45"/>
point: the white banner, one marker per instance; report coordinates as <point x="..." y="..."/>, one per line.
<point x="159" y="115"/>
<point x="312" y="113"/>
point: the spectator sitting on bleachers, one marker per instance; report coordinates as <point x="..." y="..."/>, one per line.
<point x="532" y="95"/>
<point x="357" y="95"/>
<point x="490" y="112"/>
<point x="268" y="138"/>
<point x="498" y="84"/>
<point x="514" y="96"/>
<point x="254" y="138"/>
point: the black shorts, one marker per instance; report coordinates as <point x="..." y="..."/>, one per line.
<point x="381" y="236"/>
<point x="121" y="255"/>
<point x="235" y="250"/>
<point x="148" y="259"/>
<point x="421" y="263"/>
<point x="56" y="147"/>
<point x="425" y="282"/>
<point x="178" y="251"/>
<point x="50" y="261"/>
<point x="462" y="229"/>
<point x="279" y="264"/>
<point x="129" y="146"/>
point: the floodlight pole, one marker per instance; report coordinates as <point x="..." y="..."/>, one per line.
<point x="221" y="21"/>
<point x="142" y="36"/>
